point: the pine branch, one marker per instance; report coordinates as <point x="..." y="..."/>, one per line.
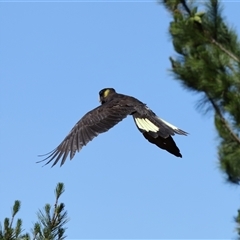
<point x="224" y="121"/>
<point x="206" y="33"/>
<point x="183" y="2"/>
<point x="225" y="50"/>
<point x="47" y="227"/>
<point x="51" y="223"/>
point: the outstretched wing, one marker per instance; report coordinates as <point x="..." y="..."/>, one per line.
<point x="158" y="131"/>
<point x="97" y="121"/>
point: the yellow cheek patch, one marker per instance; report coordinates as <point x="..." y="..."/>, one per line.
<point x="145" y="124"/>
<point x="106" y="93"/>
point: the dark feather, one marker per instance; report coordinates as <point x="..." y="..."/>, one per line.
<point x="97" y="121"/>
<point x="165" y="143"/>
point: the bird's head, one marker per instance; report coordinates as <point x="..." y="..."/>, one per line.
<point x="106" y="94"/>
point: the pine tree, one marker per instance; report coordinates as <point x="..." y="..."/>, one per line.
<point x="208" y="62"/>
<point x="50" y="224"/>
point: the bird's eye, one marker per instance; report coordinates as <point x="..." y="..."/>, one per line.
<point x="101" y="93"/>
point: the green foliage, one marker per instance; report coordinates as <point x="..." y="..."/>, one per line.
<point x="9" y="232"/>
<point x="237" y="220"/>
<point x="207" y="62"/>
<point x="50" y="224"/>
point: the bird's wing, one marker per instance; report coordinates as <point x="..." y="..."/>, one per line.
<point x="97" y="121"/>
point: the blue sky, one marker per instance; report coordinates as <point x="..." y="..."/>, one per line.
<point x="54" y="59"/>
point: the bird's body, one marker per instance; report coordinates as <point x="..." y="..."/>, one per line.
<point x="113" y="109"/>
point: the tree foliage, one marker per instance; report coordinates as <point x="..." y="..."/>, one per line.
<point x="50" y="224"/>
<point x="208" y="62"/>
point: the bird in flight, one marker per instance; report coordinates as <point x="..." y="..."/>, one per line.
<point x="113" y="109"/>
